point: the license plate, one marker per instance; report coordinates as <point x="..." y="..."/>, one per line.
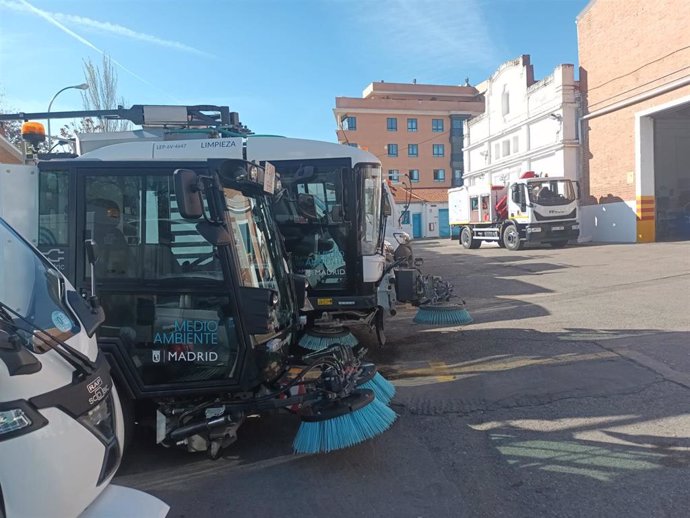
<point x="557" y="228"/>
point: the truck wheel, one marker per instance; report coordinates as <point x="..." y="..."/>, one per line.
<point x="467" y="240"/>
<point x="511" y="238"/>
<point x="558" y="244"/>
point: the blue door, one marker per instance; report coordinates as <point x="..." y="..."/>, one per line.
<point x="416" y="225"/>
<point x="443" y="223"/>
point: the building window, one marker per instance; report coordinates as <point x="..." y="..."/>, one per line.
<point x="394" y="175"/>
<point x="414" y="175"/>
<point x="505" y="101"/>
<point x="437" y="125"/>
<point x="352" y="144"/>
<point x="516" y="144"/>
<point x="392" y="150"/>
<point x="439" y="175"/>
<point x="392" y="124"/>
<point x="405" y="218"/>
<point x="497" y="151"/>
<point x="456" y="127"/>
<point x="411" y="124"/>
<point x="506" y="147"/>
<point x="349" y="123"/>
<point x="438" y="149"/>
<point x="412" y="150"/>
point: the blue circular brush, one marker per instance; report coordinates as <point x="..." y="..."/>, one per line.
<point x="317" y="339"/>
<point x="443" y="315"/>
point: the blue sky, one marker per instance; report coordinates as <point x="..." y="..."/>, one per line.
<point x="279" y="63"/>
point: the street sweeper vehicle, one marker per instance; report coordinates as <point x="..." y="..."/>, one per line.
<point x="202" y="311"/>
<point x="61" y="425"/>
<point x="333" y="215"/>
<point x="531" y="210"/>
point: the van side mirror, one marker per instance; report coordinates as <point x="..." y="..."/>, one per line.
<point x="188" y="193"/>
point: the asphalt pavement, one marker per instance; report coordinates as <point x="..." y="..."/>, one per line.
<point x="569" y="395"/>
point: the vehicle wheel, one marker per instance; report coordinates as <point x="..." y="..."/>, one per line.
<point x="467" y="240"/>
<point x="558" y="244"/>
<point x="511" y="238"/>
<point x="500" y="242"/>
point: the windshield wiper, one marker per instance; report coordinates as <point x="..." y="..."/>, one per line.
<point x="75" y="358"/>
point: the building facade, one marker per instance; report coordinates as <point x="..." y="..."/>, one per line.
<point x="9" y="154"/>
<point x="635" y="78"/>
<point x="417" y="132"/>
<point x="527" y="125"/>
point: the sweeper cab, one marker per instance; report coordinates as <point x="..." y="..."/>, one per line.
<point x="333" y="215"/>
<point x="202" y="310"/>
<point x="59" y="410"/>
<point x="531" y="210"/>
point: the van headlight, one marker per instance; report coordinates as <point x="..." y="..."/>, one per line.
<point x="18" y="418"/>
<point x="13" y="420"/>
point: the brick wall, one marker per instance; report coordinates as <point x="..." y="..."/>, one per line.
<point x="626" y="47"/>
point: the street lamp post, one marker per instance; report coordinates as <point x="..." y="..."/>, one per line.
<point x="83" y="86"/>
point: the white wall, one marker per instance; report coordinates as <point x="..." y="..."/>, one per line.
<point x="609" y="222"/>
<point x="544" y="143"/>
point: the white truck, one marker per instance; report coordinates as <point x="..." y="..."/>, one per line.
<point x="531" y="210"/>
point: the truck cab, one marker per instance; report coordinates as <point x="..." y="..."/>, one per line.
<point x="531" y="210"/>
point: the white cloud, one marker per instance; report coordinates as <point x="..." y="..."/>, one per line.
<point x="103" y="27"/>
<point x="433" y="37"/>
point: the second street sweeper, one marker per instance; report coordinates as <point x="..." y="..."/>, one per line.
<point x="333" y="215"/>
<point x="61" y="427"/>
<point x="202" y="311"/>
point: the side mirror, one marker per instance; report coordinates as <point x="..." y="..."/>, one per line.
<point x="304" y="173"/>
<point x="306" y="205"/>
<point x="188" y="193"/>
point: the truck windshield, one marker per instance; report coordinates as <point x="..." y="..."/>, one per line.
<point x="551" y="192"/>
<point x="32" y="287"/>
<point x="313" y="220"/>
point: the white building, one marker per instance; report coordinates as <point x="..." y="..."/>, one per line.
<point x="527" y="125"/>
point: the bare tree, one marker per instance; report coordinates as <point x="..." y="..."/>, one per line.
<point x="101" y="95"/>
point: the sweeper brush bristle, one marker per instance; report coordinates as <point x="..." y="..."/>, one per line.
<point x="443" y="316"/>
<point x="315" y="341"/>
<point x="344" y="430"/>
<point x="383" y="389"/>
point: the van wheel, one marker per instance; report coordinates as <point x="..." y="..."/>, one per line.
<point x="511" y="238"/>
<point x="467" y="240"/>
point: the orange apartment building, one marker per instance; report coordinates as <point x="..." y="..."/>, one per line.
<point x="635" y="76"/>
<point x="417" y="132"/>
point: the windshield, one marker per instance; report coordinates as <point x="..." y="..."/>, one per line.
<point x="32" y="287"/>
<point x="312" y="217"/>
<point x="371" y="208"/>
<point x="551" y="192"/>
<point x="254" y="241"/>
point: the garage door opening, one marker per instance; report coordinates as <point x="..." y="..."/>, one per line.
<point x="672" y="173"/>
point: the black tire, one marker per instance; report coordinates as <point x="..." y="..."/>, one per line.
<point x="500" y="242"/>
<point x="511" y="237"/>
<point x="558" y="244"/>
<point x="467" y="240"/>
